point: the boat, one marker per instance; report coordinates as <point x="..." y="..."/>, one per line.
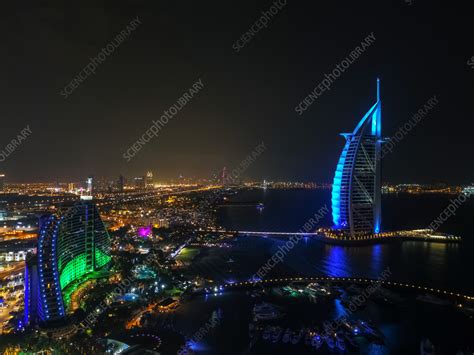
<point x="276" y="335"/>
<point x="430" y="298"/>
<point x="255" y="294"/>
<point x="251" y="330"/>
<point x="383" y="295"/>
<point x="265" y="311"/>
<point x="219" y="314"/>
<point x="318" y="289"/>
<point x="426" y="347"/>
<point x="296" y="337"/>
<point x="279" y="291"/>
<point x="352" y="327"/>
<point x="317" y="341"/>
<point x="267" y="333"/>
<point x="263" y="307"/>
<point x="290" y="290"/>
<point x="286" y="336"/>
<point x="369" y="329"/>
<point x="330" y="342"/>
<point x="340" y="343"/>
<point x="266" y="316"/>
<point x="313" y="298"/>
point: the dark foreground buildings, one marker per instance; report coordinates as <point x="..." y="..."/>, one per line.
<point x="72" y="244"/>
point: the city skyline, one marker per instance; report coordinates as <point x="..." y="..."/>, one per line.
<point x="237" y="106"/>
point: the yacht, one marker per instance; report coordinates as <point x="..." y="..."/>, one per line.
<point x="368" y="328"/>
<point x="317" y="341"/>
<point x="330" y="341"/>
<point x="265" y="311"/>
<point x="352" y="327"/>
<point x="262" y="307"/>
<point x="276" y="335"/>
<point x="262" y="316"/>
<point x="386" y="296"/>
<point x="318" y="289"/>
<point x="251" y="330"/>
<point x="340" y="343"/>
<point x="267" y="333"/>
<point x="296" y="337"/>
<point x="286" y="336"/>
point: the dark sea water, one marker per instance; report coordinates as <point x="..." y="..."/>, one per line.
<point x="432" y="264"/>
<point x="444" y="266"/>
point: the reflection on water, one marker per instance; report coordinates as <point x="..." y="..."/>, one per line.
<point x="339" y="310"/>
<point x="431" y="264"/>
<point x="336" y="261"/>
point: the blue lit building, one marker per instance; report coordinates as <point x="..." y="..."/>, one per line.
<point x="355" y="200"/>
<point x="72" y="244"/>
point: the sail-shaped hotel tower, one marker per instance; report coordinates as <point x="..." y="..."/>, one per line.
<point x="356" y="189"/>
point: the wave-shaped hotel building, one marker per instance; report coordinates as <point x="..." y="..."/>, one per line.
<point x="356" y="191"/>
<point x="73" y="243"/>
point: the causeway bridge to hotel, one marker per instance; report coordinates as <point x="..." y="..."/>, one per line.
<point x="426" y="235"/>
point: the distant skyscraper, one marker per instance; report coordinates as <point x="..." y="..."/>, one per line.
<point x="2" y="182"/>
<point x="140" y="182"/>
<point x="89" y="185"/>
<point x="149" y="179"/>
<point x="224" y="177"/>
<point x="72" y="244"/>
<point x="356" y="188"/>
<point x="121" y="183"/>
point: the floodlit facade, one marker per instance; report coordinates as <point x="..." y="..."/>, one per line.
<point x="72" y="244"/>
<point x="356" y="190"/>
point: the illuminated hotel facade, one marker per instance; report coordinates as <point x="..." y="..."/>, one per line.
<point x="356" y="190"/>
<point x="72" y="244"/>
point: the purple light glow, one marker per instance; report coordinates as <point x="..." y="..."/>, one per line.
<point x="144" y="231"/>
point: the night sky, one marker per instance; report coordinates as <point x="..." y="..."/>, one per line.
<point x="421" y="49"/>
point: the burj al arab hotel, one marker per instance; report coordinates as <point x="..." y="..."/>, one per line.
<point x="356" y="207"/>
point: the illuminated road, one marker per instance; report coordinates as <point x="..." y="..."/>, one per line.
<point x="157" y="194"/>
<point x="135" y="321"/>
<point x="11" y="304"/>
<point x="16" y="269"/>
